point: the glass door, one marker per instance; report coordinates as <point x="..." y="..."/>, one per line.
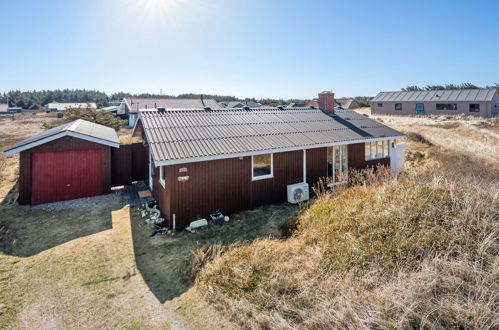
<point x="419" y="109"/>
<point x="337" y="168"/>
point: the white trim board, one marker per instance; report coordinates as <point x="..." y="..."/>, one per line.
<point x="10" y="152"/>
<point x="267" y="151"/>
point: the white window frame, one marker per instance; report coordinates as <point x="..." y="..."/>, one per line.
<point x="162" y="180"/>
<point x="333" y="163"/>
<point x="262" y="177"/>
<point x="373" y="152"/>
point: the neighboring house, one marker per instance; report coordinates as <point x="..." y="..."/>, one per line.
<point x="56" y="106"/>
<point x="474" y="102"/>
<point x="65" y="162"/>
<point x="112" y="109"/>
<point x="4" y="107"/>
<point x="129" y="107"/>
<point x="241" y="104"/>
<point x="350" y="104"/>
<point x="15" y="110"/>
<point x="296" y="105"/>
<point x="207" y="160"/>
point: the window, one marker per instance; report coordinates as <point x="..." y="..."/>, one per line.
<point x="419" y="108"/>
<point x="398" y="106"/>
<point x="474" y="107"/>
<point x="262" y="166"/>
<point x="380" y="105"/>
<point x="447" y="106"/>
<point x="162" y="176"/>
<point x="337" y="162"/>
<point x="377" y="150"/>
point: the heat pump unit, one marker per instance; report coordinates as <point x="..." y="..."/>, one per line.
<point x="298" y="192"/>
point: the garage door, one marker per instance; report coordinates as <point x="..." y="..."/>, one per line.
<point x="67" y="174"/>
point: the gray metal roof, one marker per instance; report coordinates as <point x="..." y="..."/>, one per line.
<point x="137" y="104"/>
<point x="186" y="134"/>
<point x="467" y="95"/>
<point x="82" y="127"/>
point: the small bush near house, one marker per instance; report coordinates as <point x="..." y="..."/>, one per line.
<point x="416" y="137"/>
<point x="95" y="116"/>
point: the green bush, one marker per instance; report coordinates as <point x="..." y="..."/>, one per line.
<point x="95" y="116"/>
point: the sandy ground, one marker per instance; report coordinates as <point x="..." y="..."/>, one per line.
<point x="73" y="265"/>
<point x="463" y="134"/>
<point x="13" y="129"/>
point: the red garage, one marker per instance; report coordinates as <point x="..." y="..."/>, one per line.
<point x="66" y="162"/>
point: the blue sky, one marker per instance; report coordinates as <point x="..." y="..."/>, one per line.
<point x="247" y="48"/>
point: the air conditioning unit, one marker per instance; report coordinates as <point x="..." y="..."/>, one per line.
<point x="298" y="192"/>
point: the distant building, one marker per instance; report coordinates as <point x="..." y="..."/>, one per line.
<point x="296" y="105"/>
<point x="14" y="109"/>
<point x="4" y="107"/>
<point x="56" y="106"/>
<point x="129" y="107"/>
<point x="240" y="104"/>
<point x="350" y="104"/>
<point x="474" y="102"/>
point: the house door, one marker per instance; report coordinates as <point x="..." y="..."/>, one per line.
<point x="419" y="109"/>
<point x="337" y="167"/>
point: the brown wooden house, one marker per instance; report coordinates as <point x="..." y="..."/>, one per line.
<point x="207" y="160"/>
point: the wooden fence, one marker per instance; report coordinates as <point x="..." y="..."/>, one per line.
<point x="128" y="163"/>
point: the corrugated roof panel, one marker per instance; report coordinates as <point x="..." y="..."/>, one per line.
<point x="470" y="95"/>
<point x="190" y="134"/>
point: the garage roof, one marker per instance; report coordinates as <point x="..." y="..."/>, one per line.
<point x="467" y="95"/>
<point x="81" y="129"/>
<point x="178" y="136"/>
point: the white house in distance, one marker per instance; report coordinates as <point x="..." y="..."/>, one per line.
<point x="56" y="106"/>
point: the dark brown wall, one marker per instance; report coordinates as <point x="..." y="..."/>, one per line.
<point x="316" y="165"/>
<point x="357" y="159"/>
<point x="129" y="163"/>
<point x="64" y="143"/>
<point x="225" y="185"/>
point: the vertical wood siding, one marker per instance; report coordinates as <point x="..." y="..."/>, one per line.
<point x="357" y="159"/>
<point x="64" y="143"/>
<point x="316" y="165"/>
<point x="129" y="163"/>
<point x="226" y="185"/>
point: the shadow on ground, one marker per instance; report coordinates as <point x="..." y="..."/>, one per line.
<point x="28" y="230"/>
<point x="164" y="260"/>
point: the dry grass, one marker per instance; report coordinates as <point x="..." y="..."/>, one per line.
<point x="416" y="250"/>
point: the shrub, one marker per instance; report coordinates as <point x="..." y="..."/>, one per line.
<point x="95" y="116"/>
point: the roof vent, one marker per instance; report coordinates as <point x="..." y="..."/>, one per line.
<point x="161" y="110"/>
<point x="246" y="108"/>
<point x="207" y="109"/>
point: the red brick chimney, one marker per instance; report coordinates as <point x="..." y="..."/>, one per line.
<point x="326" y="101"/>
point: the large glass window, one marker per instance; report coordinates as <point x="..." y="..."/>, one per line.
<point x="337" y="158"/>
<point x="262" y="166"/>
<point x="474" y="107"/>
<point x="377" y="150"/>
<point x="446" y="106"/>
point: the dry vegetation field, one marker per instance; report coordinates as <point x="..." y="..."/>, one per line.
<point x="415" y="250"/>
